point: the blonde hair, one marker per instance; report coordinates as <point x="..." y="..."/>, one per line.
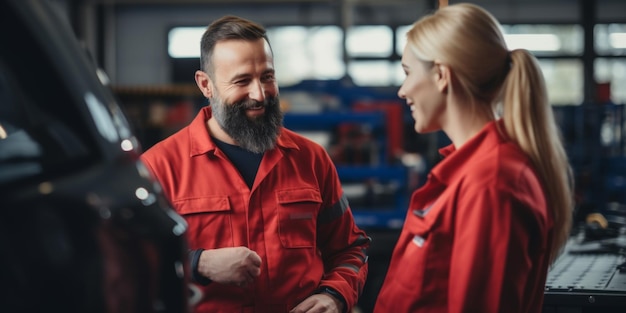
<point x="474" y="47"/>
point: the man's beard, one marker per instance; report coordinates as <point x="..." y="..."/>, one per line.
<point x="254" y="134"/>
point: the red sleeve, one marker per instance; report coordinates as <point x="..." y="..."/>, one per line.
<point x="342" y="244"/>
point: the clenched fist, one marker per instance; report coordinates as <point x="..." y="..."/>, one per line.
<point x="237" y="266"/>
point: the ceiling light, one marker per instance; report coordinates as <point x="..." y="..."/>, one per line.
<point x="533" y="42"/>
<point x="618" y="40"/>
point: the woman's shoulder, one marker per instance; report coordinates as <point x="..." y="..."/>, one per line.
<point x="505" y="164"/>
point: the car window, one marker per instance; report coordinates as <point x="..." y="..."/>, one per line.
<point x="18" y="151"/>
<point x="34" y="142"/>
<point x="44" y="130"/>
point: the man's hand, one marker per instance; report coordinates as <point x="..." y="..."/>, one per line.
<point x="237" y="266"/>
<point x="319" y="303"/>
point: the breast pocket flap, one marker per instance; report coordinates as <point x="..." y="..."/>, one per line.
<point x="421" y="221"/>
<point x="203" y="205"/>
<point x="298" y="195"/>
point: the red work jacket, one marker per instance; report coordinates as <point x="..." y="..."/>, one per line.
<point x="295" y="217"/>
<point x="476" y="235"/>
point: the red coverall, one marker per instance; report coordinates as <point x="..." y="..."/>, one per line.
<point x="295" y="217"/>
<point x="476" y="235"/>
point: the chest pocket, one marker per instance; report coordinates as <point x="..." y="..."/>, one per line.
<point x="419" y="249"/>
<point x="297" y="216"/>
<point x="420" y="222"/>
<point x="209" y="220"/>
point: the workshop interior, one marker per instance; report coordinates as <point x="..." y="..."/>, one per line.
<point x="338" y="68"/>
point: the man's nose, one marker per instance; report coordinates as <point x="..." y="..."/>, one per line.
<point x="257" y="92"/>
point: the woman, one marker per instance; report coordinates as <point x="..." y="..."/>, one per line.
<point x="480" y="235"/>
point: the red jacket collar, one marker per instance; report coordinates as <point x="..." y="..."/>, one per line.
<point x="482" y="143"/>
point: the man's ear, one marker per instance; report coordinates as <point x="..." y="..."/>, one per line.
<point x="204" y="84"/>
<point x="443" y="77"/>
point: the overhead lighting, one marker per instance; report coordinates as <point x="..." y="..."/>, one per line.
<point x="618" y="40"/>
<point x="184" y="42"/>
<point x="533" y="42"/>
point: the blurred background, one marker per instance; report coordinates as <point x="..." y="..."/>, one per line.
<point x="338" y="67"/>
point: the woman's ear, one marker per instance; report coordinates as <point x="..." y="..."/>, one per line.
<point x="204" y="84"/>
<point x="443" y="77"/>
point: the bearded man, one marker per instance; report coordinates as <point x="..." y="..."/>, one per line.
<point x="269" y="228"/>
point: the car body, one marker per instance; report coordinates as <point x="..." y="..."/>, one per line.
<point x="83" y="225"/>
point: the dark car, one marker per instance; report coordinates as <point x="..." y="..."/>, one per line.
<point x="83" y="226"/>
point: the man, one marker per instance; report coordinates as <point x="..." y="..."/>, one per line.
<point x="269" y="227"/>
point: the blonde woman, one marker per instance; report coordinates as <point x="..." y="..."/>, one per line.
<point x="480" y="235"/>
